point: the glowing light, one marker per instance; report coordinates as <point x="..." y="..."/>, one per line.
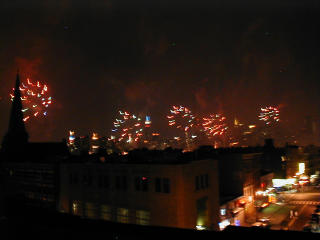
<point x="94" y="136"/>
<point x="199" y="227"/>
<point x="181" y="118"/>
<point x="223" y="224"/>
<point x="34" y="106"/>
<point x="147" y="121"/>
<point x="269" y="115"/>
<point x="71" y="137"/>
<point x="26" y="118"/>
<point x="282" y="182"/>
<point x="214" y="127"/>
<point x="301" y="168"/>
<point x="128" y="127"/>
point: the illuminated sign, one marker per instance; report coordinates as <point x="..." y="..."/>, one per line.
<point x="147" y="121"/>
<point x="301" y="168"/>
<point x="282" y="182"/>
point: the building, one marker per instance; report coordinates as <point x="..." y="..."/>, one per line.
<point x="29" y="171"/>
<point x="156" y="188"/>
<point x="241" y="173"/>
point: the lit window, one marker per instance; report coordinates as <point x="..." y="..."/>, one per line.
<point x="223" y="211"/>
<point x="122" y="215"/>
<point x="106" y="212"/>
<point x="90" y="210"/>
<point x="76" y="208"/>
<point x="142" y="217"/>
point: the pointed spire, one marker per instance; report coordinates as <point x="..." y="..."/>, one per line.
<point x="17" y="135"/>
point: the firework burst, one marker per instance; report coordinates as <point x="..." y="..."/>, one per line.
<point x="214" y="125"/>
<point x="35" y="99"/>
<point x="269" y="114"/>
<point x="128" y="128"/>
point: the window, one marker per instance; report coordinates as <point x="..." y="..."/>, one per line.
<point x="100" y="181"/>
<point x="77" y="208"/>
<point x="142" y="217"/>
<point x="137" y="183"/>
<point x="73" y="178"/>
<point x="158" y="185"/>
<point x="202" y="212"/>
<point x="202" y="182"/>
<point x="103" y="181"/>
<point x="70" y="179"/>
<point x="106" y="212"/>
<point x="121" y="183"/>
<point x="106" y="182"/>
<point x="145" y="183"/>
<point x="166" y="185"/>
<point x="87" y="180"/>
<point x="223" y="211"/>
<point x="141" y="184"/>
<point x="90" y="210"/>
<point x="124" y="183"/>
<point x="162" y="185"/>
<point x="197" y="183"/>
<point x="206" y="181"/>
<point x="122" y="215"/>
<point x="118" y="183"/>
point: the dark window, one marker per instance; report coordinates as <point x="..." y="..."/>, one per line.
<point x="141" y="184"/>
<point x="137" y="183"/>
<point x="145" y="184"/>
<point x="118" y="183"/>
<point x="202" y="182"/>
<point x="124" y="183"/>
<point x="158" y="185"/>
<point x="206" y="180"/>
<point x="106" y="182"/>
<point x="197" y="183"/>
<point x="70" y="178"/>
<point x="89" y="180"/>
<point x="100" y="181"/>
<point x="75" y="178"/>
<point x="84" y="179"/>
<point x="166" y="185"/>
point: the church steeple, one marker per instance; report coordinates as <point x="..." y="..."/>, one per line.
<point x="17" y="136"/>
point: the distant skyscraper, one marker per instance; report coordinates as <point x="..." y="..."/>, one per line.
<point x="94" y="143"/>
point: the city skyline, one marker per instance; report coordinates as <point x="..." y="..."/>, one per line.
<point x="213" y="58"/>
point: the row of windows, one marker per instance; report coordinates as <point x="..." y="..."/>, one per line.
<point x="141" y="183"/>
<point x="202" y="182"/>
<point x="40" y="196"/>
<point x="106" y="212"/>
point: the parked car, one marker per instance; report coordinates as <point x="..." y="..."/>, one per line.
<point x="264" y="220"/>
<point x="257" y="224"/>
<point x="261" y="224"/>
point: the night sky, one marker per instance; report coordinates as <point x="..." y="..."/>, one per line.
<point x="97" y="57"/>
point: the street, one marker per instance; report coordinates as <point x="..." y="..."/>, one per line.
<point x="294" y="211"/>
